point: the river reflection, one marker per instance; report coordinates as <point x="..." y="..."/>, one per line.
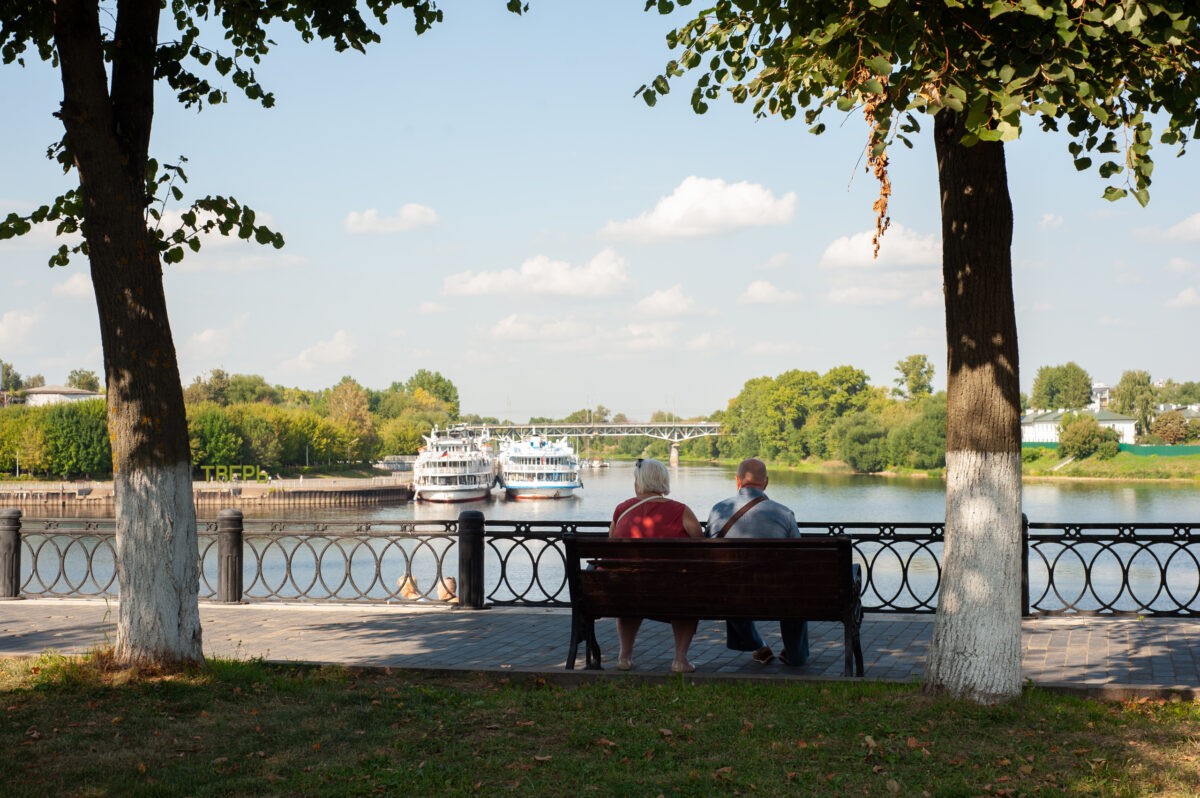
<point x="813" y="497"/>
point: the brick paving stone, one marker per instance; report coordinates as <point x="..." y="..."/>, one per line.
<point x="1153" y="653"/>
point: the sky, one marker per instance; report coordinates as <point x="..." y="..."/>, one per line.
<point x="490" y="200"/>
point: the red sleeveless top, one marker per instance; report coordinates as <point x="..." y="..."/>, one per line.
<point x="656" y="518"/>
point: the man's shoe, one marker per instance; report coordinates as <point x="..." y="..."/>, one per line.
<point x="763" y="655"/>
<point x="783" y="659"/>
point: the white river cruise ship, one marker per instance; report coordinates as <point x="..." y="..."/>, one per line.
<point x="535" y="468"/>
<point x="453" y="466"/>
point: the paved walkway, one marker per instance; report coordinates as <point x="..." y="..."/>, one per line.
<point x="1115" y="657"/>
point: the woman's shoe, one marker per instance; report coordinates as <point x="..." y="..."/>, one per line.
<point x="682" y="666"/>
<point x="624" y="663"/>
<point x="763" y="655"/>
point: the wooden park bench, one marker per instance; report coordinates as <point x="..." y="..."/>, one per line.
<point x="807" y="578"/>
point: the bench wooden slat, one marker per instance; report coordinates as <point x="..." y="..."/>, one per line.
<point x="752" y="579"/>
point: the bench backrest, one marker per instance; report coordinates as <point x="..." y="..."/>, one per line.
<point x="807" y="577"/>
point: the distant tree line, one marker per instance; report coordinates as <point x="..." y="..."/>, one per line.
<point x="791" y="418"/>
<point x="239" y="419"/>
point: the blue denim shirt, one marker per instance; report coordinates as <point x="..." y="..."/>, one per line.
<point x="768" y="519"/>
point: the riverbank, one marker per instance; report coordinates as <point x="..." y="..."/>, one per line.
<point x="300" y="492"/>
<point x="1125" y="467"/>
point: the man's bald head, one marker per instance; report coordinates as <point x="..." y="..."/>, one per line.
<point x="752" y="473"/>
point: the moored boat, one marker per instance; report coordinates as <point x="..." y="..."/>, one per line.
<point x="536" y="468"/>
<point x="453" y="466"/>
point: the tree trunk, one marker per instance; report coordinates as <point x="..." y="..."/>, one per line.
<point x="976" y="649"/>
<point x="158" y="619"/>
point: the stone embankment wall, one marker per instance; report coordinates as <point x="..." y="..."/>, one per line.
<point x="276" y="493"/>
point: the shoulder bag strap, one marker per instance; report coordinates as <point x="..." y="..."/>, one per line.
<point x="630" y="509"/>
<point x="740" y="513"/>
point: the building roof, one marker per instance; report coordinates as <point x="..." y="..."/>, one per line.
<point x="1055" y="416"/>
<point x="58" y="390"/>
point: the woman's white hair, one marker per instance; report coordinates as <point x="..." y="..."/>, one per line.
<point x="651" y="476"/>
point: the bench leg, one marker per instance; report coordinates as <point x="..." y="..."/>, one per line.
<point x="576" y="635"/>
<point x="854" y="640"/>
<point x="593" y="646"/>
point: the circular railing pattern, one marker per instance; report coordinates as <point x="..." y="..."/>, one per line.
<point x="1150" y="569"/>
<point x="1145" y="569"/>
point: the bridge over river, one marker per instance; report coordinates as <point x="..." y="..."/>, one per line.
<point x="673" y="431"/>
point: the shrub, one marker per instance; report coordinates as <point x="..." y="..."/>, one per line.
<point x="1033" y="454"/>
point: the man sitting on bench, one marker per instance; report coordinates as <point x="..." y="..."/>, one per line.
<point x="750" y="514"/>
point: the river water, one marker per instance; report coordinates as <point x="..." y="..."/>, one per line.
<point x="903" y="575"/>
<point x="813" y="497"/>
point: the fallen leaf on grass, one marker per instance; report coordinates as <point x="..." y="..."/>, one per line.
<point x="606" y="741"/>
<point x="542" y="758"/>
<point x="747" y="727"/>
<point x="893" y="786"/>
<point x="723" y="773"/>
<point x="665" y="732"/>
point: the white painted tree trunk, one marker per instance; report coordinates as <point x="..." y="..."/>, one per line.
<point x="158" y="618"/>
<point x="976" y="651"/>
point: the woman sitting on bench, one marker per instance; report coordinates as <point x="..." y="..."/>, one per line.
<point x="650" y="514"/>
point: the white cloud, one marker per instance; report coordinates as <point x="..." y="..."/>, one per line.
<point x="1187" y="230"/>
<point x="77" y="286"/>
<point x="212" y="344"/>
<point x="666" y="303"/>
<point x="898" y="247"/>
<point x="1180" y="265"/>
<point x="1187" y="298"/>
<point x="761" y="292"/>
<point x="640" y="337"/>
<point x="917" y="288"/>
<point x="338" y="349"/>
<point x="710" y="341"/>
<point x="705" y="207"/>
<point x="17" y="325"/>
<point x="550" y="334"/>
<point x="924" y="333"/>
<point x="603" y="275"/>
<point x="201" y="262"/>
<point x="431" y="308"/>
<point x="1050" y="221"/>
<point x="409" y="217"/>
<point x="776" y="261"/>
<point x="779" y="348"/>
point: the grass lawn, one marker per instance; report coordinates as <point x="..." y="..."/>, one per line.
<point x="73" y="727"/>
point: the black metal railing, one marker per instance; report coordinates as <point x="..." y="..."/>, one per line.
<point x="1106" y="569"/>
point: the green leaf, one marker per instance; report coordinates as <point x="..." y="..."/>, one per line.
<point x="1112" y="193"/>
<point x="880" y="3"/>
<point x="1142" y="195"/>
<point x="879" y="65"/>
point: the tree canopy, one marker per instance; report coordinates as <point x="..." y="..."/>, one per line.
<point x="1065" y="387"/>
<point x="1111" y="71"/>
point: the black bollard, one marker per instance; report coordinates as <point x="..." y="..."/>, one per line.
<point x="10" y="554"/>
<point x="229" y="556"/>
<point x="470" y="560"/>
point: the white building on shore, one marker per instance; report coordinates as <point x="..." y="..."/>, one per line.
<point x="1042" y="426"/>
<point x="57" y="394"/>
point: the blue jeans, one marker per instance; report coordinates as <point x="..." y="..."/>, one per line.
<point x="744" y="636"/>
